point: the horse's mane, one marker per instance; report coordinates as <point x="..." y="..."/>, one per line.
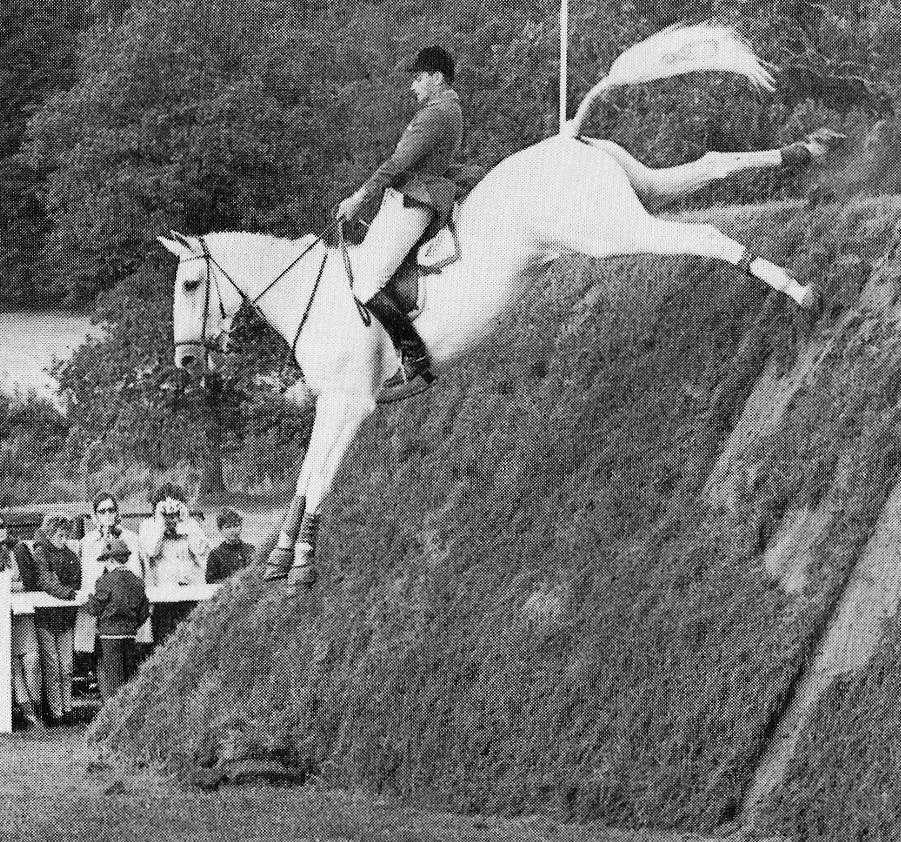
<point x="268" y="242"/>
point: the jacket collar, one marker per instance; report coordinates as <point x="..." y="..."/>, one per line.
<point x="447" y="94"/>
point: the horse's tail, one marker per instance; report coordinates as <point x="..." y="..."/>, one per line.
<point x="672" y="52"/>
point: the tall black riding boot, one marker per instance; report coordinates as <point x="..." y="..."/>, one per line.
<point x="413" y="354"/>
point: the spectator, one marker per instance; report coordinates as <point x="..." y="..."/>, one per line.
<point x="233" y="553"/>
<point x="175" y="551"/>
<point x="26" y="668"/>
<point x="58" y="574"/>
<point x="105" y="517"/>
<point x="120" y="605"/>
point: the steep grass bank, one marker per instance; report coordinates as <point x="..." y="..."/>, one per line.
<point x="843" y="781"/>
<point x="528" y="604"/>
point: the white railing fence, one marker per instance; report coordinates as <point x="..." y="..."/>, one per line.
<point x="25" y="603"/>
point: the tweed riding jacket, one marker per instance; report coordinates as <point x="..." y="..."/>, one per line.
<point x="423" y="155"/>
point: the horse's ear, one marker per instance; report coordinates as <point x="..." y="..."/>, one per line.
<point x="176" y="248"/>
<point x="192" y="243"/>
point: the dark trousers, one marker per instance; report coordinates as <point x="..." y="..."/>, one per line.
<point x="166" y="618"/>
<point x="115" y="665"/>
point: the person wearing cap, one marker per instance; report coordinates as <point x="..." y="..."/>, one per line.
<point x="58" y="574"/>
<point x="232" y="554"/>
<point x="119" y="602"/>
<point x="106" y="522"/>
<point x="414" y="192"/>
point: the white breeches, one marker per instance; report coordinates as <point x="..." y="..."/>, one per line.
<point x="393" y="232"/>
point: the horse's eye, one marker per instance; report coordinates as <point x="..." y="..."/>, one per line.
<point x="190" y="286"/>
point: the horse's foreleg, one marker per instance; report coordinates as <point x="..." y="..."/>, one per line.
<point x="338" y="418"/>
<point x="336" y="422"/>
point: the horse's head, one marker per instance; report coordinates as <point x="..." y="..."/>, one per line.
<point x="199" y="317"/>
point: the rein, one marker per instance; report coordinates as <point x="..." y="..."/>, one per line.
<point x="292" y="264"/>
<point x="215" y="345"/>
<point x="365" y="315"/>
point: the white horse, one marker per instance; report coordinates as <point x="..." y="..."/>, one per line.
<point x="564" y="194"/>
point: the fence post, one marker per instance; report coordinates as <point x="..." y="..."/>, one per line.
<point x="6" y="664"/>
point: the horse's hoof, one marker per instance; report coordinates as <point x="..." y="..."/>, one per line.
<point x="301" y="577"/>
<point x="404" y="390"/>
<point x="302" y="574"/>
<point x="278" y="564"/>
<point x="812" y="298"/>
<point x="823" y="141"/>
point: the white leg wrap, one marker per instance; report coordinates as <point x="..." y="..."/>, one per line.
<point x="777" y="278"/>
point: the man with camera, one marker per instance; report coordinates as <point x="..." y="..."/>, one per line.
<point x="175" y="550"/>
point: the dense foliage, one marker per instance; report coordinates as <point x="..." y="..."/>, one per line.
<point x="32" y="433"/>
<point x="37" y="56"/>
<point x="125" y="119"/>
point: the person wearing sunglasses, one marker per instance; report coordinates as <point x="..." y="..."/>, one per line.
<point x="106" y="524"/>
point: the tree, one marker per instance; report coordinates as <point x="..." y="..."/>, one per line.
<point x="197" y="119"/>
<point x="37" y="55"/>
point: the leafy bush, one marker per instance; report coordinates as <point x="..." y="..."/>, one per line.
<point x="32" y="434"/>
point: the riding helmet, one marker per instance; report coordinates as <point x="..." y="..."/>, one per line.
<point x="433" y="59"/>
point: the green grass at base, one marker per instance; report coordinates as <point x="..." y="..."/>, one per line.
<point x="52" y="787"/>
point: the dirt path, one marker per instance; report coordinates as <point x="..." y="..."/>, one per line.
<point x="50" y="790"/>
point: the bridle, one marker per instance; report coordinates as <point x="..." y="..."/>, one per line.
<point x="215" y="343"/>
<point x="210" y="343"/>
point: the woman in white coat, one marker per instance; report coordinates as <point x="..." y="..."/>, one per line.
<point x="106" y="520"/>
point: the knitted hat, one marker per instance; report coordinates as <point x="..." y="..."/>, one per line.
<point x="114" y="548"/>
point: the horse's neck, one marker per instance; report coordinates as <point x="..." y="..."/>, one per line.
<point x="257" y="265"/>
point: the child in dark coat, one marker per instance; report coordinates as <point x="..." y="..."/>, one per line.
<point x="119" y="602"/>
<point x="232" y="554"/>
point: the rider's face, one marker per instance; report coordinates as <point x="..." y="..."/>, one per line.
<point x="425" y="84"/>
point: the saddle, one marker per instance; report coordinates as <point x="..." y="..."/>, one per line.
<point x="438" y="247"/>
<point x="428" y="257"/>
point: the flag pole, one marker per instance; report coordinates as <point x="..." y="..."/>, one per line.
<point x="564" y="41"/>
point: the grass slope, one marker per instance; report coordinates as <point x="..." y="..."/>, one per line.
<point x="527" y="604"/>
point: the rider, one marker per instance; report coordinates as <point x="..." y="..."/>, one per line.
<point x="414" y="191"/>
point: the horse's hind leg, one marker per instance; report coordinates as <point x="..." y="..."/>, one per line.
<point x="633" y="231"/>
<point x="658" y="187"/>
<point x="666" y="237"/>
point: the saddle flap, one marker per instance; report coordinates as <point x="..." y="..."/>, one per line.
<point x="430" y="258"/>
<point x="442" y="249"/>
